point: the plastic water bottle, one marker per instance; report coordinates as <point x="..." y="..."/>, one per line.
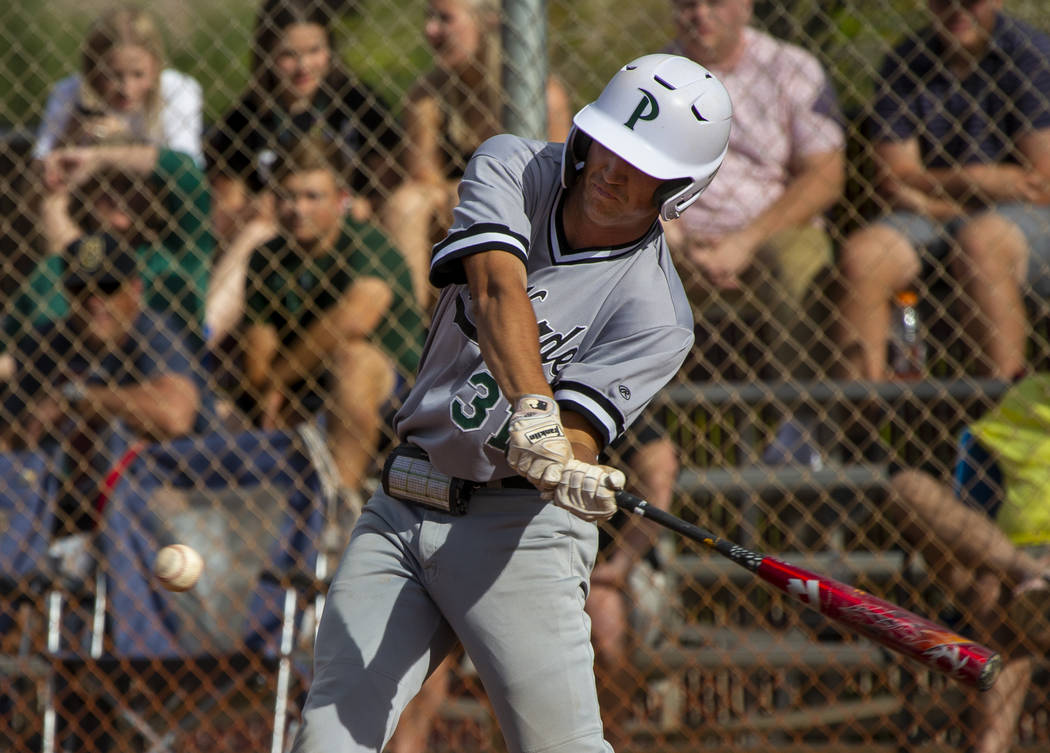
<point x="907" y="351"/>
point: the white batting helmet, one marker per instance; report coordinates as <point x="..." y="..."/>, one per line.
<point x="667" y="116"/>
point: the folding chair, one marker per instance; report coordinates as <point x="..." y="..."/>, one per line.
<point x="27" y="491"/>
<point x="251" y="503"/>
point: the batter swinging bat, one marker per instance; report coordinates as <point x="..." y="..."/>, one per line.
<point x="894" y="627"/>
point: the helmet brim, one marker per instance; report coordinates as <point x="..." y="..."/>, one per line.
<point x="628" y="145"/>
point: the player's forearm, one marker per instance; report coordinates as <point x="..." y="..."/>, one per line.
<point x="508" y="334"/>
<point x="509" y="339"/>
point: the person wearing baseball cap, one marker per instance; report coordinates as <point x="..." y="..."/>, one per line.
<point x="112" y="364"/>
<point x="560" y="317"/>
<point x="101" y="262"/>
<point x="153" y="199"/>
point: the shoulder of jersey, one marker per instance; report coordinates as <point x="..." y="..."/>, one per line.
<point x="506" y="146"/>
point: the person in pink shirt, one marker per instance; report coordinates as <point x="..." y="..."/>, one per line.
<point x="756" y="238"/>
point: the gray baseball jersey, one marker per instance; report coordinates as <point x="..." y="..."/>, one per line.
<point x="614" y="323"/>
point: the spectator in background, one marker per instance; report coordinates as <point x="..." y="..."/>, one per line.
<point x="448" y="113"/>
<point x="756" y="236"/>
<point x="110" y="360"/>
<point x="332" y="320"/>
<point x="20" y="240"/>
<point x="123" y="92"/>
<point x="625" y="602"/>
<point x="298" y="86"/>
<point x="152" y="198"/>
<point x="990" y="547"/>
<point x="962" y="139"/>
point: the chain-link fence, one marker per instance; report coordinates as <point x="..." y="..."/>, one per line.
<point x="216" y="224"/>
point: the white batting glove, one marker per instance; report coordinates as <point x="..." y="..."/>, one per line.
<point x="538" y="449"/>
<point x="588" y="491"/>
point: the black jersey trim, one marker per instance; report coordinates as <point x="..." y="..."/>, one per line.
<point x="567" y="403"/>
<point x="445" y="268"/>
<point x="602" y="411"/>
<point x="562" y="253"/>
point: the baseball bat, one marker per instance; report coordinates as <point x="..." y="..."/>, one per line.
<point x="883" y="622"/>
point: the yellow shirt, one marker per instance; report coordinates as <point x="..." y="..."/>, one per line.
<point x="1017" y="431"/>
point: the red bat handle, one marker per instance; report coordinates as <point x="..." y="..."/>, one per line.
<point x="886" y="623"/>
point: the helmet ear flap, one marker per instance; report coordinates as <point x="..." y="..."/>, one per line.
<point x="667" y="189"/>
<point x="580" y="146"/>
<point x="573" y="156"/>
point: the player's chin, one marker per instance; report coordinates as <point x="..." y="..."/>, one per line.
<point x="601" y="205"/>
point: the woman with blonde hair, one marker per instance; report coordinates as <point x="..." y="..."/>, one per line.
<point x="449" y="112"/>
<point x="123" y="92"/>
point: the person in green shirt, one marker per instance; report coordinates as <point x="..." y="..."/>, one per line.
<point x="332" y="321"/>
<point x="156" y="199"/>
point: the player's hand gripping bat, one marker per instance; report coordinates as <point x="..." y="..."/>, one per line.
<point x="883" y="622"/>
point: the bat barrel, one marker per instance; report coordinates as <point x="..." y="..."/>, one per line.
<point x="886" y="623"/>
<point x="882" y="621"/>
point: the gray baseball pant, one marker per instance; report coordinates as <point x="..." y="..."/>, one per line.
<point x="509" y="579"/>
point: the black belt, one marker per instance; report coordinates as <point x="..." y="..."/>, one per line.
<point x="409" y="476"/>
<point x="510" y="482"/>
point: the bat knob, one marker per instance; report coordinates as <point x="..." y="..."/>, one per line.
<point x="990" y="672"/>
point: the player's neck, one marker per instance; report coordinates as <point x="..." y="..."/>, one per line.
<point x="582" y="231"/>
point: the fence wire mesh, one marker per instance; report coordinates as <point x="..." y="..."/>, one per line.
<point x="178" y="369"/>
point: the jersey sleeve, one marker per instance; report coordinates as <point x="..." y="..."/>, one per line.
<point x="492" y="211"/>
<point x="258" y="298"/>
<point x="1032" y="95"/>
<point x="817" y="119"/>
<point x="891" y="118"/>
<point x="182" y="116"/>
<point x="618" y="376"/>
<point x="59" y="109"/>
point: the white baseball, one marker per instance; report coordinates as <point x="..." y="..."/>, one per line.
<point x="178" y="567"/>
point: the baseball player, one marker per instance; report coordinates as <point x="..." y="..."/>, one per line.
<point x="560" y="317"/>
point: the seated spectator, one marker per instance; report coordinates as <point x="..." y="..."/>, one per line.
<point x="990" y="550"/>
<point x="123" y="92"/>
<point x="298" y="86"/>
<point x="152" y="198"/>
<point x="110" y="360"/>
<point x="756" y="239"/>
<point x="622" y="603"/>
<point x="20" y="241"/>
<point x="332" y="320"/>
<point x="449" y="112"/>
<point x="961" y="126"/>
